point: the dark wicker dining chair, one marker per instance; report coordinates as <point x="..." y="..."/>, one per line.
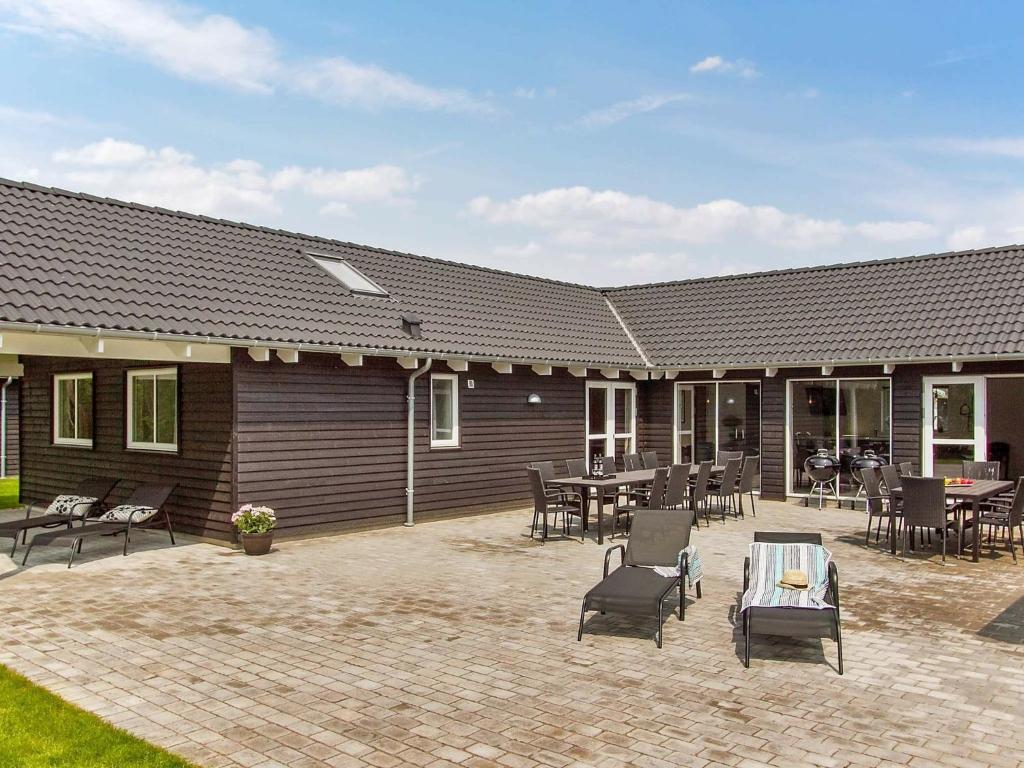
<point x="905" y="468"/>
<point x="751" y="464"/>
<point x="650" y="459"/>
<point x="677" y="487"/>
<point x="981" y="470"/>
<point x="546" y="502"/>
<point x="924" y="506"/>
<point x="654" y="500"/>
<point x="723" y="457"/>
<point x="999" y="515"/>
<point x="725" y="487"/>
<point x="876" y="501"/>
<point x="699" y="491"/>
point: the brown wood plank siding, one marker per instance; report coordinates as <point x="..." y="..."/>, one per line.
<point x="13" y="427"/>
<point x="201" y="504"/>
<point x="324" y="443"/>
<point x="654" y="418"/>
<point x="773" y="437"/>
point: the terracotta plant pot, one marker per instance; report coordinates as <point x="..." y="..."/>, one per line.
<point x="257" y="543"/>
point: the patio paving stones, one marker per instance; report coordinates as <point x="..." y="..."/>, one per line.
<point x="453" y="643"/>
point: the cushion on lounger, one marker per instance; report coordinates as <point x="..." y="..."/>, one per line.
<point x="125" y="512"/>
<point x="76" y="506"/>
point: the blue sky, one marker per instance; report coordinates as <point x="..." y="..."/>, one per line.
<point x="604" y="143"/>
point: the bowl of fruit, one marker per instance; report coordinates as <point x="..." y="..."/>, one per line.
<point x="958" y="482"/>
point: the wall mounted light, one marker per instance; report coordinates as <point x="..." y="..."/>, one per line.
<point x="534" y="399"/>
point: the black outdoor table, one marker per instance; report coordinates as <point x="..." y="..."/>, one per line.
<point x="604" y="484"/>
<point x="974" y="494"/>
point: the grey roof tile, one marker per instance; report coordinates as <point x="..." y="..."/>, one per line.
<point x="69" y="258"/>
<point x="941" y="305"/>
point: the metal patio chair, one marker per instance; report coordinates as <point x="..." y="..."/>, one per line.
<point x="746" y="485"/>
<point x="924" y="506"/>
<point x="549" y="502"/>
<point x="655" y="499"/>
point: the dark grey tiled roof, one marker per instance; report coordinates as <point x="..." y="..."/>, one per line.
<point x="70" y="259"/>
<point x="964" y="304"/>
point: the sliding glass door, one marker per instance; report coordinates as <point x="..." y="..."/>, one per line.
<point x="846" y="417"/>
<point x="716" y="416"/>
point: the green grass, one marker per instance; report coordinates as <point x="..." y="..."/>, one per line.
<point x="8" y="492"/>
<point x="38" y="729"/>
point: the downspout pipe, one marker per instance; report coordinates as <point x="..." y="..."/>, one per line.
<point x="3" y="426"/>
<point x="410" y="446"/>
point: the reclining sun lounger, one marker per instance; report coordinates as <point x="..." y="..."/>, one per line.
<point x="63" y="510"/>
<point x="770" y="610"/>
<point x="657" y="539"/>
<point x="145" y="503"/>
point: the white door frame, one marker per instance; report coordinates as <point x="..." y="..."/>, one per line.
<point x="928" y="441"/>
<point x="610" y="435"/>
<point x="676" y="442"/>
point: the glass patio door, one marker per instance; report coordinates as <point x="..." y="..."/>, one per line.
<point x="684" y="424"/>
<point x="611" y="419"/>
<point x="954" y="424"/>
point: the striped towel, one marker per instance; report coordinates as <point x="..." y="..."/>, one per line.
<point x="767" y="563"/>
<point x="694" y="566"/>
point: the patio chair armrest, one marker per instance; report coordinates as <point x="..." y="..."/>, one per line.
<point x="608" y="554"/>
<point x="833" y="584"/>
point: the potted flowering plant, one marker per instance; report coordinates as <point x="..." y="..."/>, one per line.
<point x="256" y="527"/>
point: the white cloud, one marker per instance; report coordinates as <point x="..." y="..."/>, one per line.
<point x="1008" y="146"/>
<point x="9" y="114"/>
<point x="517" y="251"/>
<point x="173" y="179"/>
<point x="624" y="109"/>
<point x="338" y="80"/>
<point x="215" y="48"/>
<point x="896" y="231"/>
<point x="209" y="48"/>
<point x="381" y="183"/>
<point x="720" y="65"/>
<point x="105" y="152"/>
<point x="967" y="238"/>
<point x="582" y="217"/>
<point x="525" y="93"/>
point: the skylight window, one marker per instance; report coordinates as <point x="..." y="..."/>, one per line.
<point x="347" y="275"/>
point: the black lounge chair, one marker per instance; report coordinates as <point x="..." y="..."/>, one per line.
<point x="657" y="538"/>
<point x="793" y="622"/>
<point x="145" y="504"/>
<point x="71" y="508"/>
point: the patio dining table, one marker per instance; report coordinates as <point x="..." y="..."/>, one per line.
<point x="975" y="494"/>
<point x="605" y="484"/>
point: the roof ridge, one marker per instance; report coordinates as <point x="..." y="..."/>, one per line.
<point x="813" y="268"/>
<point x="277" y="231"/>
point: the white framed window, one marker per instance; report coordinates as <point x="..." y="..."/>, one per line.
<point x="611" y="419"/>
<point x="153" y="409"/>
<point x="72" y="409"/>
<point x="444" y="410"/>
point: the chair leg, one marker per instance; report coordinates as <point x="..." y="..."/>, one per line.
<point x="682" y="596"/>
<point x="944" y="532"/>
<point x="839" y="644"/>
<point x="25" y="556"/>
<point x="746" y="641"/>
<point x="1009" y="533"/>
<point x="533" y="525"/>
<point x="867" y="536"/>
<point x="583" y="613"/>
<point x="170" y="531"/>
<point x="661" y="631"/>
<point x="76" y="544"/>
<point x="699" y="595"/>
<point x="753" y="506"/>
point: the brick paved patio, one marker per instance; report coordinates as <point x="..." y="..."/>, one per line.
<point x="453" y="643"/>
